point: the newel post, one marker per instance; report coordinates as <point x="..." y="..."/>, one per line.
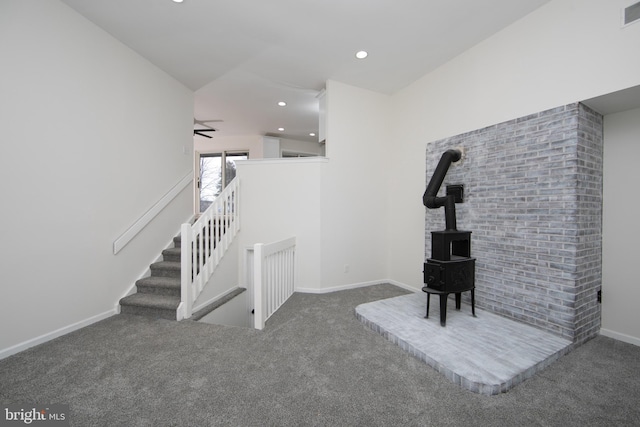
<point x="186" y="290"/>
<point x="258" y="296"/>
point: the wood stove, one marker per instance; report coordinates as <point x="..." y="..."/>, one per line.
<point x="450" y="268"/>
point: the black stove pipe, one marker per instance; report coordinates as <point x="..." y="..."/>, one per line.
<point x="430" y="199"/>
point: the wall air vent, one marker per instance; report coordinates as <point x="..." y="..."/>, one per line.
<point x="631" y="14"/>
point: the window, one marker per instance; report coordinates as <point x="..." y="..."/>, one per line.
<point x="213" y="177"/>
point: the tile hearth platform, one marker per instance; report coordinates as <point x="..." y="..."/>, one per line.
<point x="487" y="354"/>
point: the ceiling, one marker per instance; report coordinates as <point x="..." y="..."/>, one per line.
<point x="615" y="102"/>
<point x="243" y="56"/>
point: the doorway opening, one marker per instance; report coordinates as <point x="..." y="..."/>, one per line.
<point x="215" y="172"/>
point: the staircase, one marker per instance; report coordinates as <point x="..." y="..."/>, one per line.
<point x="170" y="292"/>
<point x="158" y="295"/>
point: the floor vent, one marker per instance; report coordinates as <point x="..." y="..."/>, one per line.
<point x="631" y="14"/>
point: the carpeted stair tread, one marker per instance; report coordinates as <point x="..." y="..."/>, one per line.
<point x="177" y="241"/>
<point x="172" y="251"/>
<point x="166" y="265"/>
<point x="158" y="296"/>
<point x="175" y="254"/>
<point x="165" y="268"/>
<point x="159" y="281"/>
<point x="151" y="301"/>
<point x="159" y="285"/>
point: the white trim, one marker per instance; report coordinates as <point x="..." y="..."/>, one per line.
<point x="355" y="286"/>
<point x="148" y="216"/>
<point x="620" y="337"/>
<point x="214" y="299"/>
<point x="180" y="311"/>
<point x="55" y="334"/>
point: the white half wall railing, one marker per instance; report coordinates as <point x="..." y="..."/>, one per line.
<point x="273" y="277"/>
<point x="204" y="243"/>
<point x="151" y="213"/>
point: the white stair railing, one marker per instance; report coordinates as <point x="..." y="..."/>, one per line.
<point x="205" y="242"/>
<point x="273" y="277"/>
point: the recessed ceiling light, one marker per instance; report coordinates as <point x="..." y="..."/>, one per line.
<point x="281" y="129"/>
<point x="312" y="134"/>
<point x="282" y="103"/>
<point x="361" y="54"/>
<point x="178" y="1"/>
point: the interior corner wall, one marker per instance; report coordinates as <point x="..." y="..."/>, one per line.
<point x="334" y="205"/>
<point x="620" y="290"/>
<point x="355" y="186"/>
<point x="566" y="51"/>
<point x="93" y="135"/>
<point x="279" y="199"/>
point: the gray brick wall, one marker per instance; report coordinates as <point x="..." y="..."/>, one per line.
<point x="533" y="201"/>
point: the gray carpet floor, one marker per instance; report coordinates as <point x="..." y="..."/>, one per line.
<point x="314" y="364"/>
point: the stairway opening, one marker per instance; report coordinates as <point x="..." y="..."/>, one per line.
<point x="234" y="311"/>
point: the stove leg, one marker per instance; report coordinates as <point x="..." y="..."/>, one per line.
<point x="428" y="298"/>
<point x="443" y="309"/>
<point x="473" y="302"/>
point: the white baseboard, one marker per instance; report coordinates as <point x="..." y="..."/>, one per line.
<point x="404" y="285"/>
<point x="620" y="337"/>
<point x="55" y="334"/>
<point x="354" y="286"/>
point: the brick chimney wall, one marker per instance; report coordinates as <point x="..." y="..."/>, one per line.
<point x="533" y="201"/>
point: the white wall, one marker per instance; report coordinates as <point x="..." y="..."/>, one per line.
<point x="354" y="212"/>
<point x="336" y="206"/>
<point x="620" y="283"/>
<point x="280" y="198"/>
<point x="270" y="147"/>
<point x="92" y="137"/>
<point x="566" y="51"/>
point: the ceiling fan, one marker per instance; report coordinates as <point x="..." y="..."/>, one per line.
<point x="205" y="128"/>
